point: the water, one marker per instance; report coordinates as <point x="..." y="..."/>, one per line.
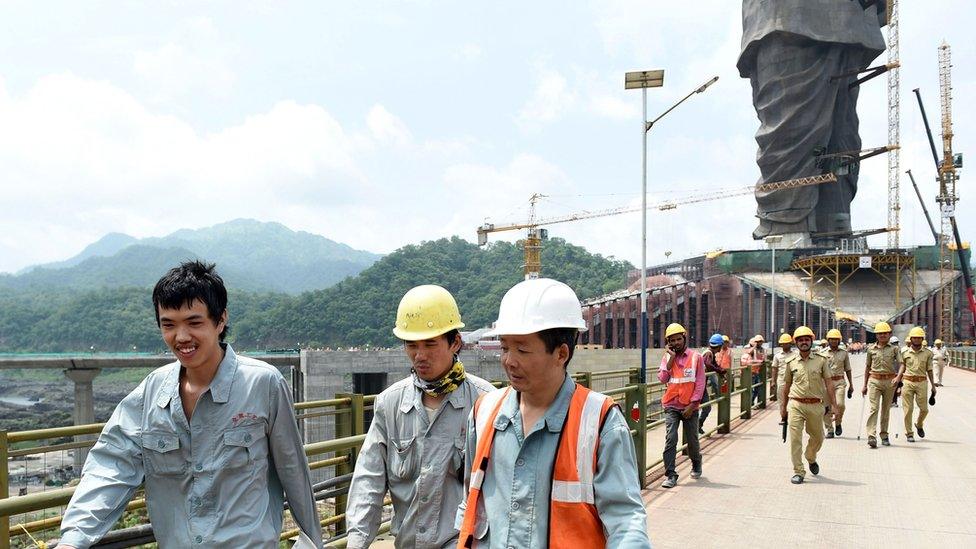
<point x="20" y="402"/>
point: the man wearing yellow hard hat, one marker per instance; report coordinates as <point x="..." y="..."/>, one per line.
<point x="940" y="359"/>
<point x="840" y="365"/>
<point x="918" y="371"/>
<point x="881" y="377"/>
<point x="804" y="382"/>
<point x="785" y="350"/>
<point x="415" y="445"/>
<point x="682" y="370"/>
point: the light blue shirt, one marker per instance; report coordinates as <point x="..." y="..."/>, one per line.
<point x="215" y="481"/>
<point x="517" y="484"/>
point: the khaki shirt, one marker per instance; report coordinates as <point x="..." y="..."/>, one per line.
<point x="883" y="360"/>
<point x="917" y="363"/>
<point x="779" y="362"/>
<point x="838" y="361"/>
<point x="940" y="356"/>
<point x="807" y="376"/>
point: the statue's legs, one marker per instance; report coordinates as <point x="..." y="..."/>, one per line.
<point x="799" y="110"/>
<point x="833" y="211"/>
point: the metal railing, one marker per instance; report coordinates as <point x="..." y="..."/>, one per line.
<point x="963" y="357"/>
<point x="641" y="404"/>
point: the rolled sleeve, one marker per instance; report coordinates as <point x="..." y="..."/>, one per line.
<point x="112" y="472"/>
<point x="291" y="464"/>
<point x="616" y="488"/>
<point x="365" y="505"/>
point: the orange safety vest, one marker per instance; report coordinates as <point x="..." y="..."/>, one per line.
<point x="573" y="517"/>
<point x="681" y="386"/>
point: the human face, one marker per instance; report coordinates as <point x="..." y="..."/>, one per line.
<point x="883" y="338"/>
<point x="916" y="343"/>
<point x="804" y="343"/>
<point x="834" y="343"/>
<point x="432" y="358"/>
<point x="677" y="343"/>
<point x="787" y="347"/>
<point x="192" y="335"/>
<point x="530" y="368"/>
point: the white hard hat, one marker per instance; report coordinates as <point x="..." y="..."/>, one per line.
<point x="535" y="305"/>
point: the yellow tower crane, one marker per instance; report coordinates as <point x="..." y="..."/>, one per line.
<point x="535" y="235"/>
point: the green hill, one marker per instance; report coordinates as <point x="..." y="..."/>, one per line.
<point x="357" y="311"/>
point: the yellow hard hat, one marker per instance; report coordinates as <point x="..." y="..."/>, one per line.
<point x="426" y="312"/>
<point x="917" y="331"/>
<point x="938" y="342"/>
<point x="802" y="331"/>
<point x="881" y="328"/>
<point x="725" y="338"/>
<point x="834" y="334"/>
<point x="925" y="343"/>
<point x="674" y="328"/>
<point x="785" y="338"/>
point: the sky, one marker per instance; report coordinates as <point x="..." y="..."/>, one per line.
<point x="381" y="124"/>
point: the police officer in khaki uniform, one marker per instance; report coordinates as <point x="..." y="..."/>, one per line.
<point x="882" y="374"/>
<point x="786" y="349"/>
<point x="840" y="365"/>
<point x="806" y="376"/>
<point x="940" y="359"/>
<point x="918" y="372"/>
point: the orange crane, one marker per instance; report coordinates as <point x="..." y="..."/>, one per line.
<point x="535" y="234"/>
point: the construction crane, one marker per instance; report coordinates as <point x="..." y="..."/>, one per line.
<point x="947" y="199"/>
<point x="535" y="235"/>
<point x="894" y="125"/>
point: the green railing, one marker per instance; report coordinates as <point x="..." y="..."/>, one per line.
<point x="963" y="357"/>
<point x="349" y="413"/>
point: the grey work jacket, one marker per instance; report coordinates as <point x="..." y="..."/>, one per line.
<point x="420" y="462"/>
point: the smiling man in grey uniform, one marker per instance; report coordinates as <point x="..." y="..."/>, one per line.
<point x="790" y="51"/>
<point x="213" y="436"/>
<point x="415" y="443"/>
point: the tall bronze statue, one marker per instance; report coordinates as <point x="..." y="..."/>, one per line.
<point x="791" y="49"/>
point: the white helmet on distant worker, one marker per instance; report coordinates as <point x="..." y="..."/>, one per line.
<point x="536" y="305"/>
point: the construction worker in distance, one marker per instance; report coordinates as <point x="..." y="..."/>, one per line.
<point x="754" y="357"/>
<point x="710" y="360"/>
<point x="725" y="355"/>
<point x="776" y="376"/>
<point x="940" y="359"/>
<point x="415" y="445"/>
<point x="840" y="365"/>
<point x="804" y="382"/>
<point x="683" y="371"/>
<point x="881" y="376"/>
<point x="918" y="372"/>
<point x="549" y="463"/>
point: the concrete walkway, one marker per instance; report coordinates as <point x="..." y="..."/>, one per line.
<point x="905" y="495"/>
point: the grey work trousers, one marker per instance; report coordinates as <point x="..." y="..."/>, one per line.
<point x="672" y="418"/>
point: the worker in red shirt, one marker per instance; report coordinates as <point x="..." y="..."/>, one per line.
<point x="753" y="357"/>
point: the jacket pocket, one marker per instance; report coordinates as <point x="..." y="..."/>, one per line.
<point x="243" y="445"/>
<point x="403" y="463"/>
<point x="457" y="459"/>
<point x="161" y="453"/>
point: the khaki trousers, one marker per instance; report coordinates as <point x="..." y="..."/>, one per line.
<point x="939" y="367"/>
<point x="802" y="417"/>
<point x="840" y="394"/>
<point x="880" y="393"/>
<point x="915" y="392"/>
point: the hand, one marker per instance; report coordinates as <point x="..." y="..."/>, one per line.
<point x="864" y="391"/>
<point x="782" y="414"/>
<point x="687" y="412"/>
<point x="850" y="392"/>
<point x="834" y="410"/>
<point x="933" y="390"/>
<point x="897" y="381"/>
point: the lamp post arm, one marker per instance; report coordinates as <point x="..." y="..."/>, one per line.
<point x="649" y="124"/>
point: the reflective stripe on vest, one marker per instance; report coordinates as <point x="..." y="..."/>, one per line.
<point x="573" y="518"/>
<point x="682" y="386"/>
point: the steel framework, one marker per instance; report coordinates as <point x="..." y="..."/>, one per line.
<point x="946" y="199"/>
<point x="894" y="127"/>
<point x="841" y="267"/>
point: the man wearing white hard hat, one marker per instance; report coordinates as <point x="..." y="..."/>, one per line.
<point x="414" y="447"/>
<point x="940" y="359"/>
<point x="550" y="463"/>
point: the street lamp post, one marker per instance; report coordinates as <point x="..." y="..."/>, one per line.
<point x="644" y="80"/>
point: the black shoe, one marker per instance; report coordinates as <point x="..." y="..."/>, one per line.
<point x="830" y="434"/>
<point x="701" y="431"/>
<point x="872" y="442"/>
<point x="921" y="432"/>
<point x="910" y="438"/>
<point x="797" y="479"/>
<point x="696" y="473"/>
<point x="670" y="482"/>
<point x="885" y="442"/>
<point x="814" y="468"/>
<point x="838" y="430"/>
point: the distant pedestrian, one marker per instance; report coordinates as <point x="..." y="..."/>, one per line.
<point x="918" y="371"/>
<point x="683" y="372"/>
<point x="940" y="359"/>
<point x="710" y="360"/>
<point x="777" y="366"/>
<point x="754" y="357"/>
<point x="840" y="365"/>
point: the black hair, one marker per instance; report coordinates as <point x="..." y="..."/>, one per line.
<point x="190" y="281"/>
<point x="554" y="337"/>
<point x="452" y="336"/>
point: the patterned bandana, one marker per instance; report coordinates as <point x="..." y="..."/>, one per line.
<point x="447" y="383"/>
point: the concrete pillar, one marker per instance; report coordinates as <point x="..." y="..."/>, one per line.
<point x="617" y="317"/>
<point x="627" y="318"/>
<point x="84" y="407"/>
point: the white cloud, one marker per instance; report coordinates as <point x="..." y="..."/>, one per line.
<point x="386" y="127"/>
<point x="550" y="99"/>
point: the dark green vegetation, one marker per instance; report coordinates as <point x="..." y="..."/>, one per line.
<point x="253" y="256"/>
<point x="358" y="311"/>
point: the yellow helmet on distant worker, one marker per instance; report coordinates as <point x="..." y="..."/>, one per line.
<point x="938" y="342"/>
<point x="426" y="312"/>
<point x="882" y="327"/>
<point x="834" y="334"/>
<point x="674" y="328"/>
<point x="803" y="331"/>
<point x="925" y="343"/>
<point x="725" y="338"/>
<point x="917" y="331"/>
<point x="785" y="338"/>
